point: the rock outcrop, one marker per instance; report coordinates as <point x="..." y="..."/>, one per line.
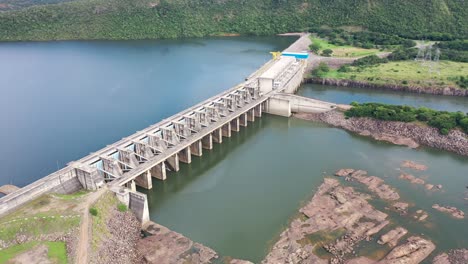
<point x="395" y="132"/>
<point x="415" y="250"/>
<point x="456" y="256"/>
<point x="392" y="236"/>
<point x="413" y="165"/>
<point x="457" y="213"/>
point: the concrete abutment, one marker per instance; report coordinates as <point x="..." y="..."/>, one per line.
<point x="196" y="148"/>
<point x="159" y="171"/>
<point x="144" y="180"/>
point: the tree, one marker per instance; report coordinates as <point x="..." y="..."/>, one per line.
<point x="321" y="69"/>
<point x="314" y="47"/>
<point x="327" y="53"/>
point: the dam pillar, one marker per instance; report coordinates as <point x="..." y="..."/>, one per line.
<point x="159" y="171"/>
<point x="138" y="204"/>
<point x="218" y="136"/>
<point x="251" y="115"/>
<point x="278" y="106"/>
<point x="131" y="185"/>
<point x="196" y="148"/>
<point x="235" y="124"/>
<point x="144" y="180"/>
<point x="173" y="163"/>
<point x="258" y="110"/>
<point x="185" y="156"/>
<point x="207" y="141"/>
<point x="243" y="120"/>
<point x="226" y="130"/>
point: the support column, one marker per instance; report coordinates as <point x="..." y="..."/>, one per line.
<point x="235" y="124"/>
<point x="258" y="110"/>
<point x="226" y="130"/>
<point x="144" y="180"/>
<point x="207" y="141"/>
<point x="173" y="162"/>
<point x="159" y="171"/>
<point x="218" y="136"/>
<point x="251" y="115"/>
<point x="243" y="119"/>
<point x="196" y="148"/>
<point x="185" y="156"/>
<point x="131" y="185"/>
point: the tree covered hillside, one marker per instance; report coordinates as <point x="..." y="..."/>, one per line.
<point x="138" y="19"/>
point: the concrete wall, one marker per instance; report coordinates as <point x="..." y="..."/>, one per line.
<point x="278" y="106"/>
<point x="295" y="82"/>
<point x="62" y="181"/>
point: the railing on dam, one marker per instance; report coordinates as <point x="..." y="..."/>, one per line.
<point x="150" y="152"/>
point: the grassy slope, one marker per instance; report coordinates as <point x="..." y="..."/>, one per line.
<point x="343" y="51"/>
<point x="57" y="251"/>
<point x="137" y="19"/>
<point x="411" y="71"/>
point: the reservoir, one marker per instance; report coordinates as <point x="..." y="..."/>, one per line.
<point x="62" y="100"/>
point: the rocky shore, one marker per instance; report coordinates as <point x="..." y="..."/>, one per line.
<point x="457" y="213"/>
<point x="456" y="256"/>
<point x="346" y="218"/>
<point x="399" y="133"/>
<point x="451" y="91"/>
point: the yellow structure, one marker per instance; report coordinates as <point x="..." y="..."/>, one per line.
<point x="276" y="54"/>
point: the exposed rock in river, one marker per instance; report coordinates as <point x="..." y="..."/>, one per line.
<point x="333" y="207"/>
<point x="396" y="132"/>
<point x="401" y="207"/>
<point x="375" y="184"/>
<point x="456" y="256"/>
<point x="392" y="236"/>
<point x="413" y="165"/>
<point x="415" y="250"/>
<point x="411" y="178"/>
<point x="457" y="213"/>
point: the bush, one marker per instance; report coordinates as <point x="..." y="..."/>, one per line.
<point x="369" y="61"/>
<point x="122" y="207"/>
<point x="315" y="47"/>
<point x="327" y="53"/>
<point x="344" y="68"/>
<point x="464" y="124"/>
<point x="463" y="82"/>
<point x="321" y="69"/>
<point x="93" y="211"/>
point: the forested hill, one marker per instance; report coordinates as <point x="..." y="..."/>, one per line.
<point x="139" y="19"/>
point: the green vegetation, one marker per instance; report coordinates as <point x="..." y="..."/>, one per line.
<point x="57" y="251"/>
<point x="72" y="196"/>
<point x="105" y="205"/>
<point x="442" y="120"/>
<point x="93" y="211"/>
<point x="321" y="70"/>
<point x="369" y="61"/>
<point x="143" y="19"/>
<point x="404" y="73"/>
<point x="323" y="45"/>
<point x="122" y="207"/>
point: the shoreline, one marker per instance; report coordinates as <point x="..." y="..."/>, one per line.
<point x="398" y="133"/>
<point x="446" y="91"/>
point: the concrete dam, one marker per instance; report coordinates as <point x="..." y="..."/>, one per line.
<point x="158" y="149"/>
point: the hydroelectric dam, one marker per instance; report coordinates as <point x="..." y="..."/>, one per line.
<point x="158" y="149"/>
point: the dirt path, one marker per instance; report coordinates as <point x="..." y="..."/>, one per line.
<point x="83" y="242"/>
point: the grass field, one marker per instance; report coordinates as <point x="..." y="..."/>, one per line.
<point x="343" y="51"/>
<point x="57" y="251"/>
<point x="406" y="73"/>
<point x="104" y="207"/>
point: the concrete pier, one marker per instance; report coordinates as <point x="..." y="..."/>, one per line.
<point x="159" y="171"/>
<point x="144" y="180"/>
<point x="173" y="162"/>
<point x="218" y="136"/>
<point x="243" y="120"/>
<point x="226" y="129"/>
<point x="185" y="155"/>
<point x="235" y="124"/>
<point x="196" y="148"/>
<point x="207" y="141"/>
<point x="251" y="115"/>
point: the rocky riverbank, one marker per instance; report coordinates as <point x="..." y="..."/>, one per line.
<point x="448" y="90"/>
<point x="400" y="133"/>
<point x="344" y="217"/>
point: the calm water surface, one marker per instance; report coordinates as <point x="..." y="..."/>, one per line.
<point x="63" y="100"/>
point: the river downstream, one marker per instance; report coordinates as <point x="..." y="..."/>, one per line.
<point x="240" y="196"/>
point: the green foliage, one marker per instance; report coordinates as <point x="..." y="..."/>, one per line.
<point x="442" y="120"/>
<point x="403" y="54"/>
<point x="369" y="61"/>
<point x="363" y="39"/>
<point x="143" y="19"/>
<point x="93" y="211"/>
<point x="314" y="47"/>
<point x="321" y="70"/>
<point x="327" y="52"/>
<point x="122" y="207"/>
<point x="57" y="251"/>
<point x="344" y="68"/>
<point x="463" y="82"/>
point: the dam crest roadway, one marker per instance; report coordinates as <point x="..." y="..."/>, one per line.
<point x="150" y="153"/>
